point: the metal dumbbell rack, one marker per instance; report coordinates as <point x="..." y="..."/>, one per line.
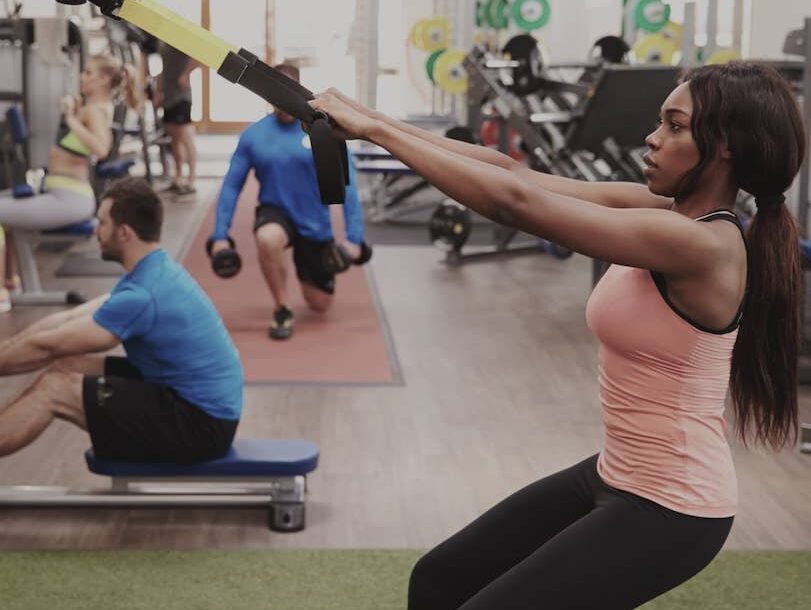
<point x="489" y="81"/>
<point x="590" y="129"/>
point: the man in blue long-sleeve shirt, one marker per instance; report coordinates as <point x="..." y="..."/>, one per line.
<point x="290" y="212"/>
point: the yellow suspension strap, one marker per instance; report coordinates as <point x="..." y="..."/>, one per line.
<point x="242" y="67"/>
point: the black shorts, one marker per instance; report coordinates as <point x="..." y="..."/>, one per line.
<point x="132" y="420"/>
<point x="307" y="253"/>
<point x="178" y="114"/>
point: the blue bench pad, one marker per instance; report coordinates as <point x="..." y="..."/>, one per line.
<point x="114" y="169"/>
<point x="247" y="457"/>
<point x="85" y="228"/>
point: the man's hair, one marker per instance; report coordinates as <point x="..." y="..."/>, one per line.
<point x="137" y="205"/>
<point x="289" y="70"/>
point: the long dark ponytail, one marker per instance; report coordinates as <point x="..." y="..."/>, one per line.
<point x="750" y="108"/>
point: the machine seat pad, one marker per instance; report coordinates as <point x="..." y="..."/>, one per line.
<point x="114" y="169"/>
<point x="86" y="228"/>
<point x="248" y="457"/>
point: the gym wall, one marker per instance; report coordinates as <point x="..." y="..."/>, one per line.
<point x="770" y="21"/>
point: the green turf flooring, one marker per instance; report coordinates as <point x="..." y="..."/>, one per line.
<point x="329" y="580"/>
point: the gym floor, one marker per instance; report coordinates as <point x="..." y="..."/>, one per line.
<point x="500" y="389"/>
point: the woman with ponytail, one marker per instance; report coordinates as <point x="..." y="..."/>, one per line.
<point x="691" y="310"/>
<point x="84" y="132"/>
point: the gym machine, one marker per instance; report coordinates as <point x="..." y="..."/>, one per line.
<point x="616" y="119"/>
<point x="242" y="67"/>
<point x="798" y="44"/>
<point x="13" y="142"/>
<point x="36" y="55"/>
<point x="123" y="39"/>
<point x="589" y="129"/>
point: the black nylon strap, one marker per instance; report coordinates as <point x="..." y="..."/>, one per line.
<point x="329" y="153"/>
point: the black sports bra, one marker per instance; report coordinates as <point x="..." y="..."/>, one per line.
<point x="661" y="284"/>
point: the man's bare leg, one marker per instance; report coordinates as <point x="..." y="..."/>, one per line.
<point x="318" y="300"/>
<point x="57" y="393"/>
<point x="271" y="240"/>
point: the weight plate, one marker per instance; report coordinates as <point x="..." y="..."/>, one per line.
<point x="531" y="14"/>
<point x="430" y="34"/>
<point x="497" y="14"/>
<point x="450" y="226"/>
<point x="723" y="56"/>
<point x="524" y="48"/>
<point x="610" y="49"/>
<point x="655" y="49"/>
<point x="449" y="71"/>
<point x="651" y="15"/>
<point x="430" y="62"/>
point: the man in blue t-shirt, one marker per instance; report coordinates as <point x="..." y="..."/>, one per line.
<point x="290" y="212"/>
<point x="176" y="397"/>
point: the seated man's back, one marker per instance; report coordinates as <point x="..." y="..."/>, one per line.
<point x="173" y="335"/>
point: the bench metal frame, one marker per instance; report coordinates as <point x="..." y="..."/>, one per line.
<point x="284" y="497"/>
<point x="24" y="243"/>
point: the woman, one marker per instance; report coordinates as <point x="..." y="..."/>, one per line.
<point x="84" y="132"/>
<point x="684" y="313"/>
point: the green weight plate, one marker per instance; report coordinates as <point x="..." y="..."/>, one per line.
<point x="651" y="15"/>
<point x="531" y="14"/>
<point x="497" y="14"/>
<point x="481" y="13"/>
<point x="429" y="64"/>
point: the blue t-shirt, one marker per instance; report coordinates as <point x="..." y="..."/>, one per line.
<point x="174" y="336"/>
<point x="281" y="156"/>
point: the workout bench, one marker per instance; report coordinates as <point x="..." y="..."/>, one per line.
<point x="254" y="473"/>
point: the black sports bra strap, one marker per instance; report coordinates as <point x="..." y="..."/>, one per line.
<point x="722" y="215"/>
<point x="659" y="279"/>
<point x="733" y="218"/>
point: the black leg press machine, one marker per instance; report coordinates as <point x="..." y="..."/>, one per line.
<point x="269" y="473"/>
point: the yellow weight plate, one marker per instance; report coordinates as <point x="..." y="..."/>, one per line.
<point x="723" y="56"/>
<point x="415" y="33"/>
<point x="449" y="71"/>
<point x="655" y="49"/>
<point x="430" y="34"/>
<point x="673" y="31"/>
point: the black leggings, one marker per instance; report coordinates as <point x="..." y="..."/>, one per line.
<point x="566" y="541"/>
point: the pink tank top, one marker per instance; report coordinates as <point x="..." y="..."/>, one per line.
<point x="663" y="383"/>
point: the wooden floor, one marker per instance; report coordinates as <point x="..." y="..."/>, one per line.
<point x="500" y="389"/>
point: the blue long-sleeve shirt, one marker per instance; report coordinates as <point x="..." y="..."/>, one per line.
<point x="281" y="156"/>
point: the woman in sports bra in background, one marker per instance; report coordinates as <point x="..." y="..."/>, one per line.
<point x="84" y="132"/>
<point x="688" y="310"/>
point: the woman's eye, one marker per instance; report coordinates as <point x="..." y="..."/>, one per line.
<point x="675" y="127"/>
